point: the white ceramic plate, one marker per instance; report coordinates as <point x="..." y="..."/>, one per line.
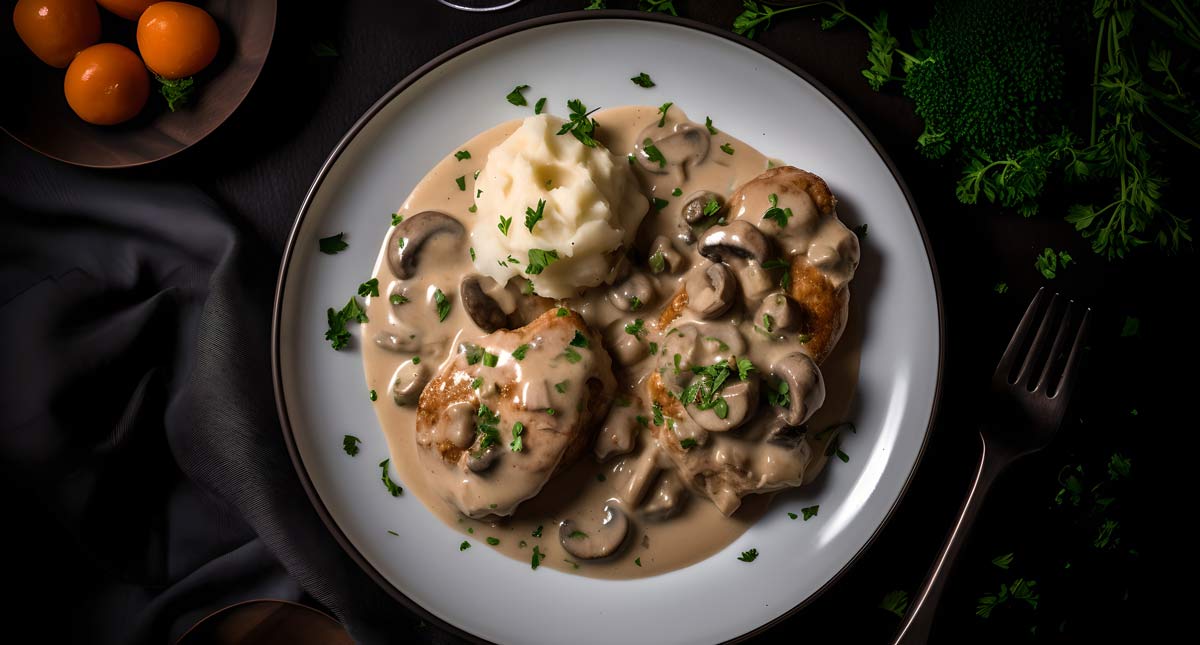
<point x="767" y="103"/>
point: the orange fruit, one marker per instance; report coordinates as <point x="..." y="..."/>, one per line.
<point x="56" y="30"/>
<point x="177" y="40"/>
<point x="106" y="84"/>
<point x="127" y="9"/>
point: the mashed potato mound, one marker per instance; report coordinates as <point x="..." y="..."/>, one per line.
<point x="592" y="212"/>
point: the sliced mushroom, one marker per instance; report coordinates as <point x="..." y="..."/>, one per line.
<point x="408" y="382"/>
<point x="778" y="313"/>
<point x="671" y="260"/>
<point x="681" y="145"/>
<point x="633" y="294"/>
<point x="627" y="348"/>
<point x="737" y="239"/>
<point x="693" y="207"/>
<point x="616" y="436"/>
<point x="740" y="398"/>
<point x="479" y="461"/>
<point x="711" y="290"/>
<point x="805" y="387"/>
<point x="481" y="307"/>
<point x="411" y="235"/>
<point x="398" y="340"/>
<point x="601" y="541"/>
<point x="459" y="426"/>
<point x="667" y="498"/>
<point x="781" y="433"/>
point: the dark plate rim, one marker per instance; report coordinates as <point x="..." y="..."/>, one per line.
<point x="571" y="16"/>
<point x="145" y="162"/>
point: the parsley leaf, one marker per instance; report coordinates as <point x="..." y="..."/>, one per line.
<point x="442" y="303"/>
<point x="726" y="148"/>
<point x="579" y="340"/>
<point x="462" y="182"/>
<point x="572" y="356"/>
<point x="369" y="288"/>
<point x="519" y="352"/>
<point x="580" y="126"/>
<point x="653" y="153"/>
<point x="1001" y="287"/>
<point x="532" y="217"/>
<point x="337" y="334"/>
<point x="540" y="259"/>
<point x="505" y="222"/>
<point x="350" y="444"/>
<point x="1003" y="561"/>
<point x="178" y="92"/>
<point x="660" y="203"/>
<point x="895" y="602"/>
<point x="688" y="444"/>
<point x="464" y="546"/>
<point x="332" y="244"/>
<point x="810" y="512"/>
<point x="539" y="106"/>
<point x="462" y="154"/>
<point x="663" y="111"/>
<point x="1050" y="262"/>
<point x="749" y="556"/>
<point x="642" y="80"/>
<point x="392" y="488"/>
<point x="779" y="215"/>
<point x="537" y="558"/>
<point x="516" y="444"/>
<point x="485" y="426"/>
<point x="516" y="97"/>
<point x="636" y="327"/>
<point x="708" y="124"/>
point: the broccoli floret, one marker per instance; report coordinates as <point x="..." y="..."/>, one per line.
<point x="991" y="69"/>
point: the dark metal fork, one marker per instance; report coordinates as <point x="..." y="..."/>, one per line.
<point x="1030" y="392"/>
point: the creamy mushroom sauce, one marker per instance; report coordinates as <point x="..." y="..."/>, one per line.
<point x="623" y="467"/>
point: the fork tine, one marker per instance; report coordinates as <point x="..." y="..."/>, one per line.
<point x="1070" y="371"/>
<point x="1039" y="340"/>
<point x="1060" y="339"/>
<point x="1018" y="337"/>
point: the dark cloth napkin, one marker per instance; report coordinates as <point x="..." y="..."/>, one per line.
<point x="144" y="473"/>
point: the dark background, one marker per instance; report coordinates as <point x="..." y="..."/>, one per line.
<point x="120" y="530"/>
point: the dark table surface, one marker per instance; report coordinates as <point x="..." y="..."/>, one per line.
<point x="258" y="166"/>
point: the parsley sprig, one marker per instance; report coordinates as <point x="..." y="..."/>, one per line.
<point x="581" y="125"/>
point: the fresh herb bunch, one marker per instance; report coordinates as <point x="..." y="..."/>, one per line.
<point x="987" y="78"/>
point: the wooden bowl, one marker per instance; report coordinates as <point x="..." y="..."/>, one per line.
<point x="36" y="113"/>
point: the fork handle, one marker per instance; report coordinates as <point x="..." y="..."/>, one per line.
<point x="918" y="622"/>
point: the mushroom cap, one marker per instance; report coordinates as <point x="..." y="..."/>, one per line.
<point x="637" y="285"/>
<point x="601" y="542"/>
<point x="711" y="290"/>
<point x="741" y="398"/>
<point x="415" y="231"/>
<point x="806" y="386"/>
<point x="737" y="239"/>
<point x="482" y="308"/>
<point x="693" y="205"/>
<point x="682" y="144"/>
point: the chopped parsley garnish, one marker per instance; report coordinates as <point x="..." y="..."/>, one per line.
<point x="350" y="444"/>
<point x="337" y="334"/>
<point x="462" y="182"/>
<point x="660" y="203"/>
<point x="505" y="222"/>
<point x="519" y="352"/>
<point x="462" y="154"/>
<point x="810" y="512"/>
<point x="485" y="426"/>
<point x="397" y="299"/>
<point x="333" y="244"/>
<point x="579" y="340"/>
<point x="643" y="80"/>
<point x="638" y="561"/>
<point x="793" y="515"/>
<point x="1003" y="561"/>
<point x="490" y="359"/>
<point x="635" y="303"/>
<point x="562" y="312"/>
<point x="577" y="535"/>
<point x="369" y="288"/>
<point x="393" y="533"/>
<point x="516" y="97"/>
<point x="779" y="215"/>
<point x="677" y="192"/>
<point x="688" y="444"/>
<point x="860" y="232"/>
<point x="493" y="541"/>
<point x="539" y="106"/>
<point x="581" y="126"/>
<point x="471" y="250"/>
<point x="895" y="602"/>
<point x="527" y="288"/>
<point x="562" y="386"/>
<point x="711" y="207"/>
<point x="644" y="420"/>
<point x="768" y="322"/>
<point x="416" y="360"/>
<point x="653" y="348"/>
<point x="663" y="111"/>
<point x="540" y="259"/>
<point x="534" y="216"/>
<point x="708" y="124"/>
<point x="476" y="382"/>
<point x="442" y="303"/>
<point x="473" y="208"/>
<point x="653" y="153"/>
<point x="726" y="148"/>
<point x="537" y="558"/>
<point x="1020" y="589"/>
<point x="537" y="532"/>
<point x="517" y="443"/>
<point x="372" y="395"/>
<point x="464" y="546"/>
<point x="473" y="352"/>
<point x="387" y="481"/>
<point x="1130" y="327"/>
<point x="1001" y="287"/>
<point x="572" y="355"/>
<point x="704" y="392"/>
<point x="804" y="339"/>
<point x="748" y="556"/>
<point x="636" y="327"/>
<point x="656" y="409"/>
<point x="1049" y="262"/>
